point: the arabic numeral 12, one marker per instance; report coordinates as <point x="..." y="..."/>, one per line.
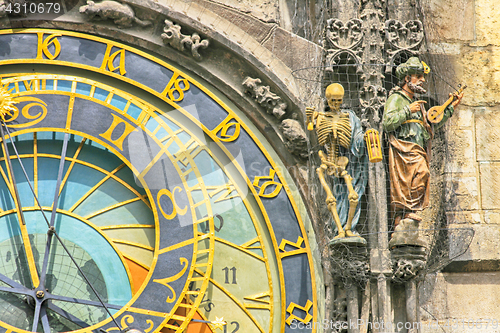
<point x="236" y="327"/>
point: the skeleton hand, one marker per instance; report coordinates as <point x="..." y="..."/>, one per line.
<point x="310" y="117"/>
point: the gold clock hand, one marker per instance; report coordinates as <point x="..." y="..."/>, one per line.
<point x="19" y="210"/>
<point x="54" y="209"/>
<point x="51" y="229"/>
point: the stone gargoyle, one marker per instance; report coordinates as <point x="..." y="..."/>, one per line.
<point x="122" y="14"/>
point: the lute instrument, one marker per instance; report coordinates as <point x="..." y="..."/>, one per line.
<point x="436" y="113"/>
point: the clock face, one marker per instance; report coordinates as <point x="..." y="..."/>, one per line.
<point x="169" y="212"/>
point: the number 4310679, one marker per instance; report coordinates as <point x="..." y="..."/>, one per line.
<point x="33" y="8"/>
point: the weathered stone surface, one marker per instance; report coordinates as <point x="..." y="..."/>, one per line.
<point x="485" y="244"/>
<point x="265" y="10"/>
<point x="255" y="28"/>
<point x="296" y="138"/>
<point x="463" y="117"/>
<point x="460" y="296"/>
<point x="461" y="155"/>
<point x="463" y="192"/>
<point x="492" y="217"/>
<point x="488" y="135"/>
<point x="464" y="217"/>
<point x="449" y="21"/>
<point x="480" y="70"/>
<point x="293" y="50"/>
<point x="487" y="22"/>
<point x="490" y="183"/>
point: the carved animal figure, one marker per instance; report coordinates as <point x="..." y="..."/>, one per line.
<point x="2" y="9"/>
<point x="122" y="14"/>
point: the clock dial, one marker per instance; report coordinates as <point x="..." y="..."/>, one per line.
<point x="163" y="171"/>
<point x="108" y="216"/>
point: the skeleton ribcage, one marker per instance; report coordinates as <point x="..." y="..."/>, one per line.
<point x="326" y="127"/>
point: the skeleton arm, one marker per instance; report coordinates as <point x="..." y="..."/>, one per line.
<point x="311" y="116"/>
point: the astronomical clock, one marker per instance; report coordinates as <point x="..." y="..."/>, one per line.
<point x="135" y="195"/>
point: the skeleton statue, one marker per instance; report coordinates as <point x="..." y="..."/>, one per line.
<point x="340" y="132"/>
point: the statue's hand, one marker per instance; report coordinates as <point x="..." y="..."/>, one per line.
<point x="416" y="106"/>
<point x="458" y="99"/>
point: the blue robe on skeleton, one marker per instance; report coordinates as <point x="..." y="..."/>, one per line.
<point x="357" y="168"/>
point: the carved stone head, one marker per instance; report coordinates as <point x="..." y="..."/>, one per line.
<point x="88" y="8"/>
<point x="334" y="94"/>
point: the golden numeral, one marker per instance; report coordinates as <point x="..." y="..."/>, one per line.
<point x="44" y="44"/>
<point x="265" y="304"/>
<point x="297" y="245"/>
<point x="192" y="149"/>
<point x="36" y="118"/>
<point x="166" y="281"/>
<point x="306" y="309"/>
<point x="176" y="210"/>
<point x="174" y="86"/>
<point x="224" y="127"/>
<point x="227" y="188"/>
<point x="109" y="59"/>
<point x="251" y="244"/>
<point x="127" y="319"/>
<point x="265" y="185"/>
<point x="117" y="121"/>
<point x="151" y="325"/>
<point x="32" y="85"/>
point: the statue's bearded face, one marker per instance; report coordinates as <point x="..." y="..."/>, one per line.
<point x="415" y="83"/>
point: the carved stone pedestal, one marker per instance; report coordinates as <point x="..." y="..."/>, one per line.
<point x="349" y="258"/>
<point x="408" y="261"/>
<point x="349" y="263"/>
<point x="407" y="233"/>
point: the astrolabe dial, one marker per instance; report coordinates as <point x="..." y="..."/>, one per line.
<point x="230" y="251"/>
<point x="102" y="216"/>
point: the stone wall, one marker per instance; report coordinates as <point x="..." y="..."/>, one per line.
<point x="467" y="32"/>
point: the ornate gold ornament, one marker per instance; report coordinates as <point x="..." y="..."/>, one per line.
<point x="6" y="102"/>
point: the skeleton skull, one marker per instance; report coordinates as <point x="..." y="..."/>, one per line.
<point x="334" y="95"/>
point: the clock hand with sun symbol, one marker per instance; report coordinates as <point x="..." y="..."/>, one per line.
<point x="6" y="102"/>
<point x="38" y="294"/>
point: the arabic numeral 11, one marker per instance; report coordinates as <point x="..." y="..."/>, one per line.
<point x="226" y="270"/>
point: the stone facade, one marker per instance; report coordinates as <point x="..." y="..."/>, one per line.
<point x="468" y="36"/>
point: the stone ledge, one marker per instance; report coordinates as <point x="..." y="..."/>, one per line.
<point x="468" y="266"/>
<point x="484" y="245"/>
